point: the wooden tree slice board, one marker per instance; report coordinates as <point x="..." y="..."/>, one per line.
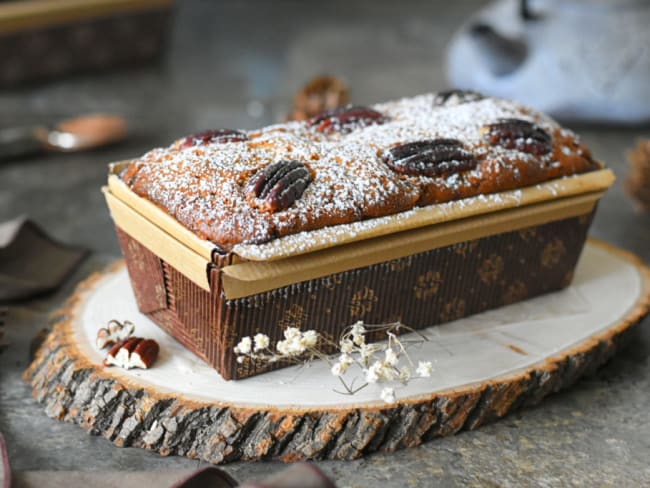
<point x="485" y="366"/>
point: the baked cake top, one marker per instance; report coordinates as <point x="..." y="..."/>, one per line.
<point x="353" y="164"/>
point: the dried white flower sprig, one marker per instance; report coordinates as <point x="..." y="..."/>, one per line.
<point x="375" y="363"/>
<point x="296" y="344"/>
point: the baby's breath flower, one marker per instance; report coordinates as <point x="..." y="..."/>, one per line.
<point x="244" y="346"/>
<point x="337" y="369"/>
<point x="358" y="331"/>
<point x="424" y="369"/>
<point x="388" y="395"/>
<point x="379" y="371"/>
<point x="344" y="362"/>
<point x="346" y="346"/>
<point x="295" y="345"/>
<point x="291" y="333"/>
<point x="282" y="347"/>
<point x="366" y="351"/>
<point x="405" y="375"/>
<point x="391" y="357"/>
<point x="261" y="342"/>
<point x="310" y="338"/>
<point x="371" y="373"/>
<point x="346" y="359"/>
<point x="388" y="371"/>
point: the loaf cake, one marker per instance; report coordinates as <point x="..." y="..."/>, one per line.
<point x="356" y="163"/>
<point x="421" y="211"/>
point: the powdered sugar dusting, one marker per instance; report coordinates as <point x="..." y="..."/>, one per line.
<point x="203" y="186"/>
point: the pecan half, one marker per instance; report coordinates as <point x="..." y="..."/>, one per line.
<point x="518" y="134"/>
<point x="213" y="136"/>
<point x="113" y="333"/>
<point x="346" y="119"/>
<point x="134" y="352"/>
<point x="456" y="97"/>
<point x="430" y="157"/>
<point x="278" y="186"/>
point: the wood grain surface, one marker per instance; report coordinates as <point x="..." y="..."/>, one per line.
<point x="74" y="388"/>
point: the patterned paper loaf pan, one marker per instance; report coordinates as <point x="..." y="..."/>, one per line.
<point x="48" y="39"/>
<point x="438" y="264"/>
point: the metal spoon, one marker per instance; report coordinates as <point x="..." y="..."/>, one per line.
<point x="71" y="135"/>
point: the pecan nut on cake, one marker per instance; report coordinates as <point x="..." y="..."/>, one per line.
<point x="352" y="164"/>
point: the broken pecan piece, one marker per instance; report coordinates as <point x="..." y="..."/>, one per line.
<point x="430" y="157"/>
<point x="346" y="119"/>
<point x="113" y="333"/>
<point x="134" y="352"/>
<point x="278" y="186"/>
<point x="518" y="134"/>
<point x="212" y="136"/>
<point x="456" y="97"/>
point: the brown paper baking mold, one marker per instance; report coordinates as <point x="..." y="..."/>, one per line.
<point x="420" y="290"/>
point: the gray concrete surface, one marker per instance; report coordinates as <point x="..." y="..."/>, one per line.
<point x="222" y="56"/>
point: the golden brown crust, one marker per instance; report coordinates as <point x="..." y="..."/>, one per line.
<point x="203" y="186"/>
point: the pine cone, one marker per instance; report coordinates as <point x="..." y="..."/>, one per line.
<point x="321" y="94"/>
<point x="637" y="183"/>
